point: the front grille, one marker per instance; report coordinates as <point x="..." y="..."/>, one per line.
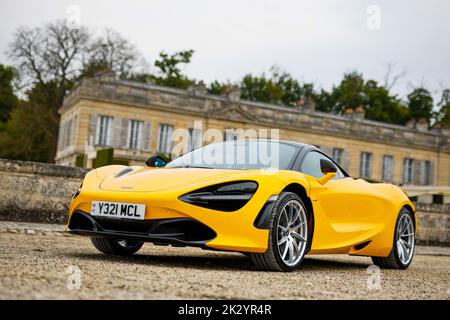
<point x="184" y="230"/>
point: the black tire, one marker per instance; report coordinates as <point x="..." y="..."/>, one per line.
<point x="393" y="261"/>
<point x="116" y="246"/>
<point x="271" y="259"/>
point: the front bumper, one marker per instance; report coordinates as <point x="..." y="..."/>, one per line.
<point x="234" y="231"/>
<point x="176" y="231"/>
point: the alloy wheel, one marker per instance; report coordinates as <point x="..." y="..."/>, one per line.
<point x="405" y="238"/>
<point x="292" y="232"/>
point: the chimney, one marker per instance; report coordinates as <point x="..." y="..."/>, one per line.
<point x="307" y="105"/>
<point x="310" y="104"/>
<point x="418" y="124"/>
<point x="422" y="125"/>
<point x="197" y="88"/>
<point x="411" y="124"/>
<point x="300" y="103"/>
<point x="348" y="112"/>
<point x="359" y="113"/>
<point x="234" y="94"/>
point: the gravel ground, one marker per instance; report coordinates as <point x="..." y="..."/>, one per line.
<point x="40" y="265"/>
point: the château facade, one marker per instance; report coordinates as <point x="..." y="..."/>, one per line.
<point x="138" y="120"/>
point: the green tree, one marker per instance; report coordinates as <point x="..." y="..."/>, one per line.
<point x="327" y="101"/>
<point x="8" y="99"/>
<point x="169" y="69"/>
<point x="28" y="135"/>
<point x="381" y="106"/>
<point x="350" y="92"/>
<point x="218" y="88"/>
<point x="260" y="89"/>
<point x="278" y="88"/>
<point x="442" y="117"/>
<point x="420" y="104"/>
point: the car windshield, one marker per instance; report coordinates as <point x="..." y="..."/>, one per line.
<point x="239" y="155"/>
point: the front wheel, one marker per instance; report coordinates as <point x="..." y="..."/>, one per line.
<point x="120" y="247"/>
<point x="404" y="243"/>
<point x="288" y="235"/>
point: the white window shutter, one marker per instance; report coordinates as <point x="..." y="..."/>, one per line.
<point x="432" y="181"/>
<point x="74" y="130"/>
<point x="124" y="133"/>
<point x="169" y="139"/>
<point x="109" y="122"/>
<point x="417" y="172"/>
<point x="146" y="136"/>
<point x="60" y="136"/>
<point x="345" y="160"/>
<point x="116" y="129"/>
<point x="95" y="129"/>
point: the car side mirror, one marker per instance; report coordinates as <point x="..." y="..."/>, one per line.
<point x="326" y="166"/>
<point x="328" y="169"/>
<point x="155" y="162"/>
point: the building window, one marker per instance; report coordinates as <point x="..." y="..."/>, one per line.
<point x="230" y="135"/>
<point x="408" y="170"/>
<point x="195" y="139"/>
<point x="68" y="134"/>
<point x="165" y="138"/>
<point x="135" y="128"/>
<point x="426" y="178"/>
<point x="388" y="168"/>
<point x="366" y="161"/>
<point x="338" y="156"/>
<point x="103" y="131"/>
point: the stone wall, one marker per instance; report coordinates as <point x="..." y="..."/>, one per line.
<point x="434" y="223"/>
<point x="37" y="192"/>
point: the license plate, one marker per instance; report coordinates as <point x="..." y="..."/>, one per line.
<point x="118" y="210"/>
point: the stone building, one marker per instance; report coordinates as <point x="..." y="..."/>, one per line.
<point x="138" y="120"/>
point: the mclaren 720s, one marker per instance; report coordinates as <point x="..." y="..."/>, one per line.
<point x="275" y="201"/>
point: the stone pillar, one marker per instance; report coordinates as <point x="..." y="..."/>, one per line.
<point x="355" y="114"/>
<point x="422" y="125"/>
<point x="307" y="105"/>
<point x="234" y="94"/>
<point x="359" y="113"/>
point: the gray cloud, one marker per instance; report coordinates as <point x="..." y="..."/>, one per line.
<point x="315" y="41"/>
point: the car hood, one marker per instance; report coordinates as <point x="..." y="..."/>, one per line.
<point x="150" y="180"/>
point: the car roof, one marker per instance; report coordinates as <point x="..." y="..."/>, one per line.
<point x="299" y="145"/>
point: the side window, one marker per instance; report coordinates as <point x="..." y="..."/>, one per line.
<point x="311" y="165"/>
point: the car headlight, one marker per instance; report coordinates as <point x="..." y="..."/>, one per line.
<point x="222" y="197"/>
<point x="77" y="192"/>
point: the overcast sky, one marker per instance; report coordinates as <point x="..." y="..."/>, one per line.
<point x="316" y="41"/>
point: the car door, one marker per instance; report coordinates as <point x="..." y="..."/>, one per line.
<point x="345" y="210"/>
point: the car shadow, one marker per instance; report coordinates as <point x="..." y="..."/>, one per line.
<point x="217" y="261"/>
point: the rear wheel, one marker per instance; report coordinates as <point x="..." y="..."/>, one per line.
<point x="288" y="235"/>
<point x="121" y="247"/>
<point x="404" y="243"/>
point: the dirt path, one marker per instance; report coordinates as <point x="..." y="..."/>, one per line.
<point x="35" y="266"/>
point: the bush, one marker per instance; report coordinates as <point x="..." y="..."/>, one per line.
<point x="80" y="160"/>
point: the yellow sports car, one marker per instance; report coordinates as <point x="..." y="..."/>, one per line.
<point x="273" y="200"/>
